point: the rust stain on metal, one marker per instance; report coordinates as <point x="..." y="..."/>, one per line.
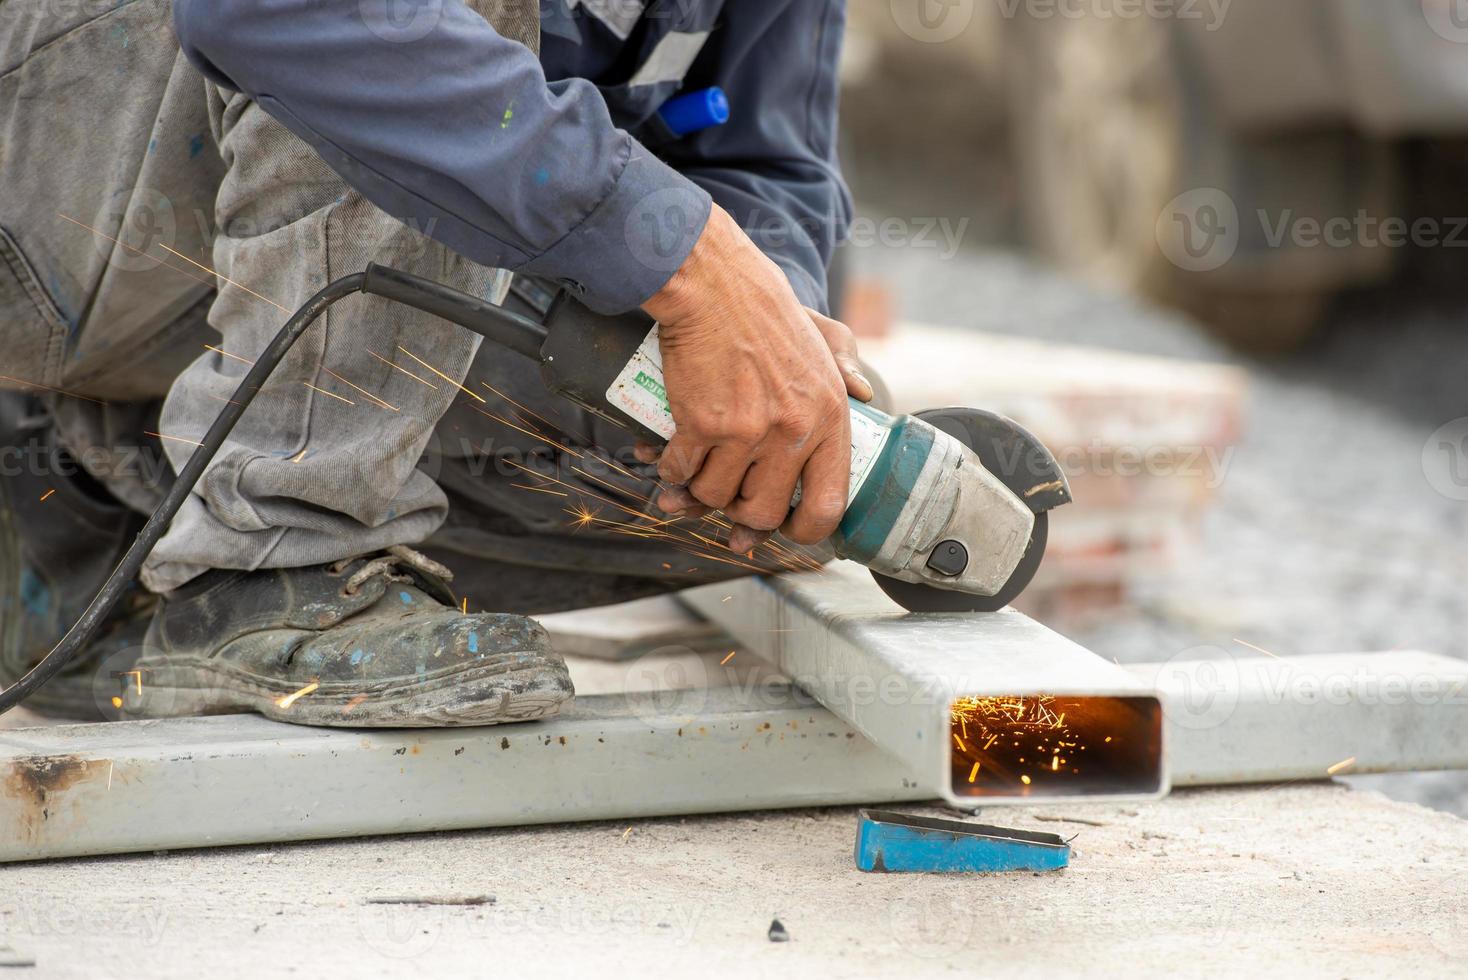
<point x="36" y="784"/>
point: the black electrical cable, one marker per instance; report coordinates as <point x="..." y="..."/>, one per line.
<point x="492" y="322"/>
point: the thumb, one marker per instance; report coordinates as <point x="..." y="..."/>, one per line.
<point x="843" y="348"/>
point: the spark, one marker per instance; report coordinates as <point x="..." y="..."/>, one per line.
<point x="465" y="605"/>
<point x="726" y="598"/>
<point x="396" y="367"/>
<point x="959" y="742"/>
<point x="973" y="773"/>
<point x="1055" y="762"/>
<point x="353" y="703"/>
<point x="227" y="401"/>
<point x="138" y="251"/>
<point x="436" y="371"/>
<point x="528" y="411"/>
<point x="361" y="391"/>
<point x="69" y="394"/>
<point x="220" y="350"/>
<point x="219" y="275"/>
<point x="329" y="394"/>
<point x="1253" y="647"/>
<point x="1343" y="764"/>
<point x="299" y="456"/>
<point x="728" y="658"/>
<point x="528" y="432"/>
<point x="627" y="833"/>
<point x="1025" y="780"/>
<point x="110" y="766"/>
<point x="136" y="675"/>
<point x="47" y="495"/>
<point x="554" y="493"/>
<point x="291" y="699"/>
<point x="116" y="701"/>
<point x="174" y="438"/>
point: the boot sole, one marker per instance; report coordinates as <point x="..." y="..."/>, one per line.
<point x="461" y="697"/>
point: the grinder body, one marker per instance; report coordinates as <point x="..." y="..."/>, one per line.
<point x="922" y="507"/>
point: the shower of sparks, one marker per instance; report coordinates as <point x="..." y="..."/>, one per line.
<point x="527" y="411"/>
<point x="47" y="495"/>
<point x="1017" y="725"/>
<point x="234" y="357"/>
<point x="291" y="699"/>
<point x="361" y="391"/>
<point x="1343" y="764"/>
<point x="160" y="435"/>
<point x="728" y="658"/>
<point x="1253" y="647"/>
<point x="220" y="276"/>
<point x="398" y="367"/>
<point x="471" y="394"/>
<point x="328" y="394"/>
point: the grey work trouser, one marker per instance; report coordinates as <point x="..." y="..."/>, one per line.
<point x="126" y="178"/>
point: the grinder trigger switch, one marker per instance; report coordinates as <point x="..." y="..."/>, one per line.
<point x="949" y="558"/>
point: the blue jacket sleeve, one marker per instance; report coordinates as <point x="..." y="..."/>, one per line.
<point x="456" y="129"/>
<point x="773" y="166"/>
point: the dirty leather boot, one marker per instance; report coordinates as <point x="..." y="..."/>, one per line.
<point x="61" y="534"/>
<point x="373" y="642"/>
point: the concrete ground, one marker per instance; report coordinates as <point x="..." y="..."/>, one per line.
<point x="1312" y="880"/>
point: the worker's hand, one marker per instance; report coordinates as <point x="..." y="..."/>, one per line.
<point x="755" y="383"/>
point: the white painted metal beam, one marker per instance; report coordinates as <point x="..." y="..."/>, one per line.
<point x="196" y="782"/>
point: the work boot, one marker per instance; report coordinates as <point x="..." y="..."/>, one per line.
<point x="61" y="534"/>
<point x="373" y="642"/>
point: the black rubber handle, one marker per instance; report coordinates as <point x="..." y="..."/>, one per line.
<point x="518" y="333"/>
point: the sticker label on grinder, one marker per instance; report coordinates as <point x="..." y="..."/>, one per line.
<point x="640" y="392"/>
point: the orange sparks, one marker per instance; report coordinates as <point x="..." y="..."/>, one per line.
<point x="465" y="606"/>
<point x="116" y="701"/>
<point x="1343" y="764"/>
<point x="404" y="370"/>
<point x="235" y="357"/>
<point x="69" y="394"/>
<point x="728" y="658"/>
<point x="1055" y="763"/>
<point x="47" y="495"/>
<point x="353" y="703"/>
<point x="225" y="278"/>
<point x="136" y="675"/>
<point x="1025" y="780"/>
<point x="160" y="435"/>
<point x="361" y="391"/>
<point x="291" y="699"/>
<point x="137" y="251"/>
<point x="436" y="371"/>
<point x="328" y="394"/>
<point x="1257" y="649"/>
<point x="527" y="411"/>
<point x="973" y="773"/>
<point x="526" y="486"/>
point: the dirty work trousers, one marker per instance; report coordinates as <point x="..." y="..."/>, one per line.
<point x="125" y="179"/>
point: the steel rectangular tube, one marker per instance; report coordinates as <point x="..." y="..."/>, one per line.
<point x="239" y="779"/>
<point x="990" y="708"/>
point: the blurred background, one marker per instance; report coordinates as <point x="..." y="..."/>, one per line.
<point x="1214" y="253"/>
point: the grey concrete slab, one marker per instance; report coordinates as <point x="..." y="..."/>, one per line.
<point x="1304" y="880"/>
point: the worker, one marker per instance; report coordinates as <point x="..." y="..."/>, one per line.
<point x="180" y="177"/>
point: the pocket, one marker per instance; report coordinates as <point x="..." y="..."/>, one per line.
<point x="33" y="334"/>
